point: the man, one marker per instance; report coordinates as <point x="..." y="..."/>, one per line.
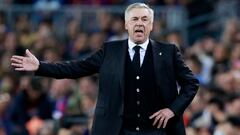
<point x="30" y="105"/>
<point x="137" y="80"/>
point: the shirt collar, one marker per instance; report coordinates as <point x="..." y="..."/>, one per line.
<point x="144" y="45"/>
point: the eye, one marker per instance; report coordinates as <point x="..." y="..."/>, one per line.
<point x="145" y="19"/>
<point x="134" y="19"/>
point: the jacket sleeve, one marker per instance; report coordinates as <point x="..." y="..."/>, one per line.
<point x="188" y="83"/>
<point x="72" y="69"/>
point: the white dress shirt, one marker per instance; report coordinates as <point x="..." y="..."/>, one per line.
<point x="143" y="49"/>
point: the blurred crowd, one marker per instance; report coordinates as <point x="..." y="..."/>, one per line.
<point x="102" y="2"/>
<point x="31" y="105"/>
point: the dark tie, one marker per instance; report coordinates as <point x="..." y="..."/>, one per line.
<point x="136" y="58"/>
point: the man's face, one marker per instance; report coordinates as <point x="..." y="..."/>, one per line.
<point x="139" y="24"/>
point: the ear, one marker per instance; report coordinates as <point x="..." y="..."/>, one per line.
<point x="151" y="26"/>
<point x="126" y="26"/>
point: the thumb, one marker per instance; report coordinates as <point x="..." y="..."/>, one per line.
<point x="29" y="54"/>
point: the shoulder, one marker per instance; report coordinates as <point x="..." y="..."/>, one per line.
<point x="113" y="46"/>
<point x="116" y="43"/>
<point x="163" y="45"/>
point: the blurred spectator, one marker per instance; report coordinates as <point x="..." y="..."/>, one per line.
<point x="75" y="125"/>
<point x="8" y="83"/>
<point x="196" y="106"/>
<point x="47" y="128"/>
<point x="77" y="48"/>
<point x="230" y="29"/>
<point x="88" y="104"/>
<point x="5" y="125"/>
<point x="235" y="57"/>
<point x="30" y="105"/>
<point x="96" y="41"/>
<point x="10" y="43"/>
<point x="118" y="28"/>
<point x="3" y="29"/>
<point x="51" y="54"/>
<point x="221" y="57"/>
<point x="158" y="30"/>
<point x="230" y="127"/>
<point x="88" y="85"/>
<point x="203" y="49"/>
<point x="72" y="30"/>
<point x="34" y="125"/>
<point x="68" y="100"/>
<point x="104" y="19"/>
<point x="233" y="105"/>
<point x="176" y="38"/>
<point x="24" y="31"/>
<point x="196" y="66"/>
<point x="225" y="81"/>
<point x="207" y="119"/>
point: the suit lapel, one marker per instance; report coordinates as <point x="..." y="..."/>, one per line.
<point x="157" y="58"/>
<point x="122" y="60"/>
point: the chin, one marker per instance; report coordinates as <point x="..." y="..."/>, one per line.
<point x="139" y="41"/>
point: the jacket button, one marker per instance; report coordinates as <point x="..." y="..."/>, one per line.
<point x="138" y="102"/>
<point x="137" y="128"/>
<point x="138" y="90"/>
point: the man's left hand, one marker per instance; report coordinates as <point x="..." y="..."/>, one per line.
<point x="162" y="117"/>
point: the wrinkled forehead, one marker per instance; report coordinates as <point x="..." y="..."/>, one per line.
<point x="139" y="12"/>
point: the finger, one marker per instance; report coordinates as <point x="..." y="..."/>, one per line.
<point x="165" y="122"/>
<point x="19" y="69"/>
<point x="156" y="119"/>
<point x="160" y="122"/>
<point x="16" y="60"/>
<point x="29" y="54"/>
<point x="154" y="115"/>
<point x="17" y="65"/>
<point x="18" y="57"/>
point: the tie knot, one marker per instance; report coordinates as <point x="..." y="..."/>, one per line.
<point x="136" y="48"/>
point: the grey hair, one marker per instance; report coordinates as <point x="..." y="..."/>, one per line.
<point x="139" y="5"/>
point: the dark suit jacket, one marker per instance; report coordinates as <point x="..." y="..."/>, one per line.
<point x="109" y="62"/>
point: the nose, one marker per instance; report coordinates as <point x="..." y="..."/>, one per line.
<point x="139" y="22"/>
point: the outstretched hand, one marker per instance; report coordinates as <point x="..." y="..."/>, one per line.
<point x="27" y="63"/>
<point x="161" y="117"/>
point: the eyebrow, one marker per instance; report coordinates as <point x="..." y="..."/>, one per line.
<point x="134" y="17"/>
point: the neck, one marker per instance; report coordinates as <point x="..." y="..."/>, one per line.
<point x="138" y="42"/>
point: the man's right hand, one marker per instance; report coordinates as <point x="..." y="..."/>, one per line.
<point x="27" y="63"/>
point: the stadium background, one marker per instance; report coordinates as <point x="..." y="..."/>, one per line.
<point x="206" y="31"/>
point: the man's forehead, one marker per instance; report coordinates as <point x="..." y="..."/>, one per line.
<point x="139" y="12"/>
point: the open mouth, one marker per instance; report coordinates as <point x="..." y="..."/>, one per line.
<point x="138" y="31"/>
